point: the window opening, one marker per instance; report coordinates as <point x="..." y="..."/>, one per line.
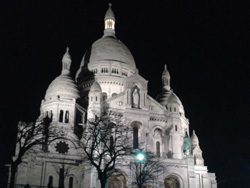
<point x="158" y="149"/>
<point x="135" y="138"/>
<point x="104" y="96"/>
<point x="50" y="183"/>
<point x="111" y="143"/>
<point x="61" y="116"/>
<point x="51" y="114"/>
<point x="71" y="182"/>
<point x="67" y="116"/>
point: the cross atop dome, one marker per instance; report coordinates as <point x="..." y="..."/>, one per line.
<point x="109" y="21"/>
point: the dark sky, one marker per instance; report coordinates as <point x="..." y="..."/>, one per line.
<point x="205" y="45"/>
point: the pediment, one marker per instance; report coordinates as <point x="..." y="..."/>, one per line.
<point x="138" y="80"/>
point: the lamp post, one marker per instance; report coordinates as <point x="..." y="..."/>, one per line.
<point x="140" y="156"/>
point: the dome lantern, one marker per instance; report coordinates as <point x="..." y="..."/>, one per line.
<point x="165" y="78"/>
<point x="109" y="22"/>
<point x="66" y="62"/>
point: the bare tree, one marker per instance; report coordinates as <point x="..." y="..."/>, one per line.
<point x="146" y="171"/>
<point x="63" y="170"/>
<point x="28" y="136"/>
<point x="104" y="141"/>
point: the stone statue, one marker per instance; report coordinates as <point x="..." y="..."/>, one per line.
<point x="157" y="133"/>
<point x="135" y="98"/>
<point x="186" y="147"/>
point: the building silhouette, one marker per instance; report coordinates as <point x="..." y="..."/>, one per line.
<point x="108" y="79"/>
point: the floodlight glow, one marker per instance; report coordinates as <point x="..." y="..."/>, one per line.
<point x="140" y="156"/>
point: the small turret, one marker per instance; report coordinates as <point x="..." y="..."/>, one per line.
<point x="196" y="150"/>
<point x="109" y="22"/>
<point x="95" y="100"/>
<point x="162" y="98"/>
<point x="165" y="78"/>
<point x="66" y="62"/>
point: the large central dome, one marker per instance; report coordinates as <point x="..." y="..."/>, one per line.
<point x="107" y="55"/>
<point x="109" y="48"/>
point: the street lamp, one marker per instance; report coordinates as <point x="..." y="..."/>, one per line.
<point x="140" y="156"/>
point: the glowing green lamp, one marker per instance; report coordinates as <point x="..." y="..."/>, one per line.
<point x="140" y="156"/>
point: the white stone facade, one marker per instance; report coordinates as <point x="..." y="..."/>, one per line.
<point x="108" y="79"/>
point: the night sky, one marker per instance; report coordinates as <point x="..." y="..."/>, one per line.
<point x="205" y="44"/>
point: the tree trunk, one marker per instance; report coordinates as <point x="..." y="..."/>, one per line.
<point x="103" y="180"/>
<point x="13" y="175"/>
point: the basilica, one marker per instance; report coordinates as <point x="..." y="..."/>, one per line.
<point x="107" y="78"/>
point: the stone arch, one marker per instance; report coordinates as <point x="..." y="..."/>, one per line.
<point x="173" y="181"/>
<point x="116" y="180"/>
<point x="50" y="180"/>
<point x="71" y="181"/>
<point x="136" y="133"/>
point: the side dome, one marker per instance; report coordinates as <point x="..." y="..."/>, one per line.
<point x="63" y="86"/>
<point x="173" y="99"/>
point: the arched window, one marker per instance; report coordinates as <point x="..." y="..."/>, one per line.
<point x="96" y="98"/>
<point x="51" y="115"/>
<point x="61" y="177"/>
<point x="104" y="96"/>
<point x="158" y="149"/>
<point x="67" y="116"/>
<point x="176" y="128"/>
<point x="111" y="144"/>
<point x="61" y="116"/>
<point x="135" y="138"/>
<point x="114" y="94"/>
<point x="50" y="182"/>
<point x="71" y="179"/>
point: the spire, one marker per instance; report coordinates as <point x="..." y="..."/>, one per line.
<point x="109" y="21"/>
<point x="66" y="62"/>
<point x="165" y="78"/>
